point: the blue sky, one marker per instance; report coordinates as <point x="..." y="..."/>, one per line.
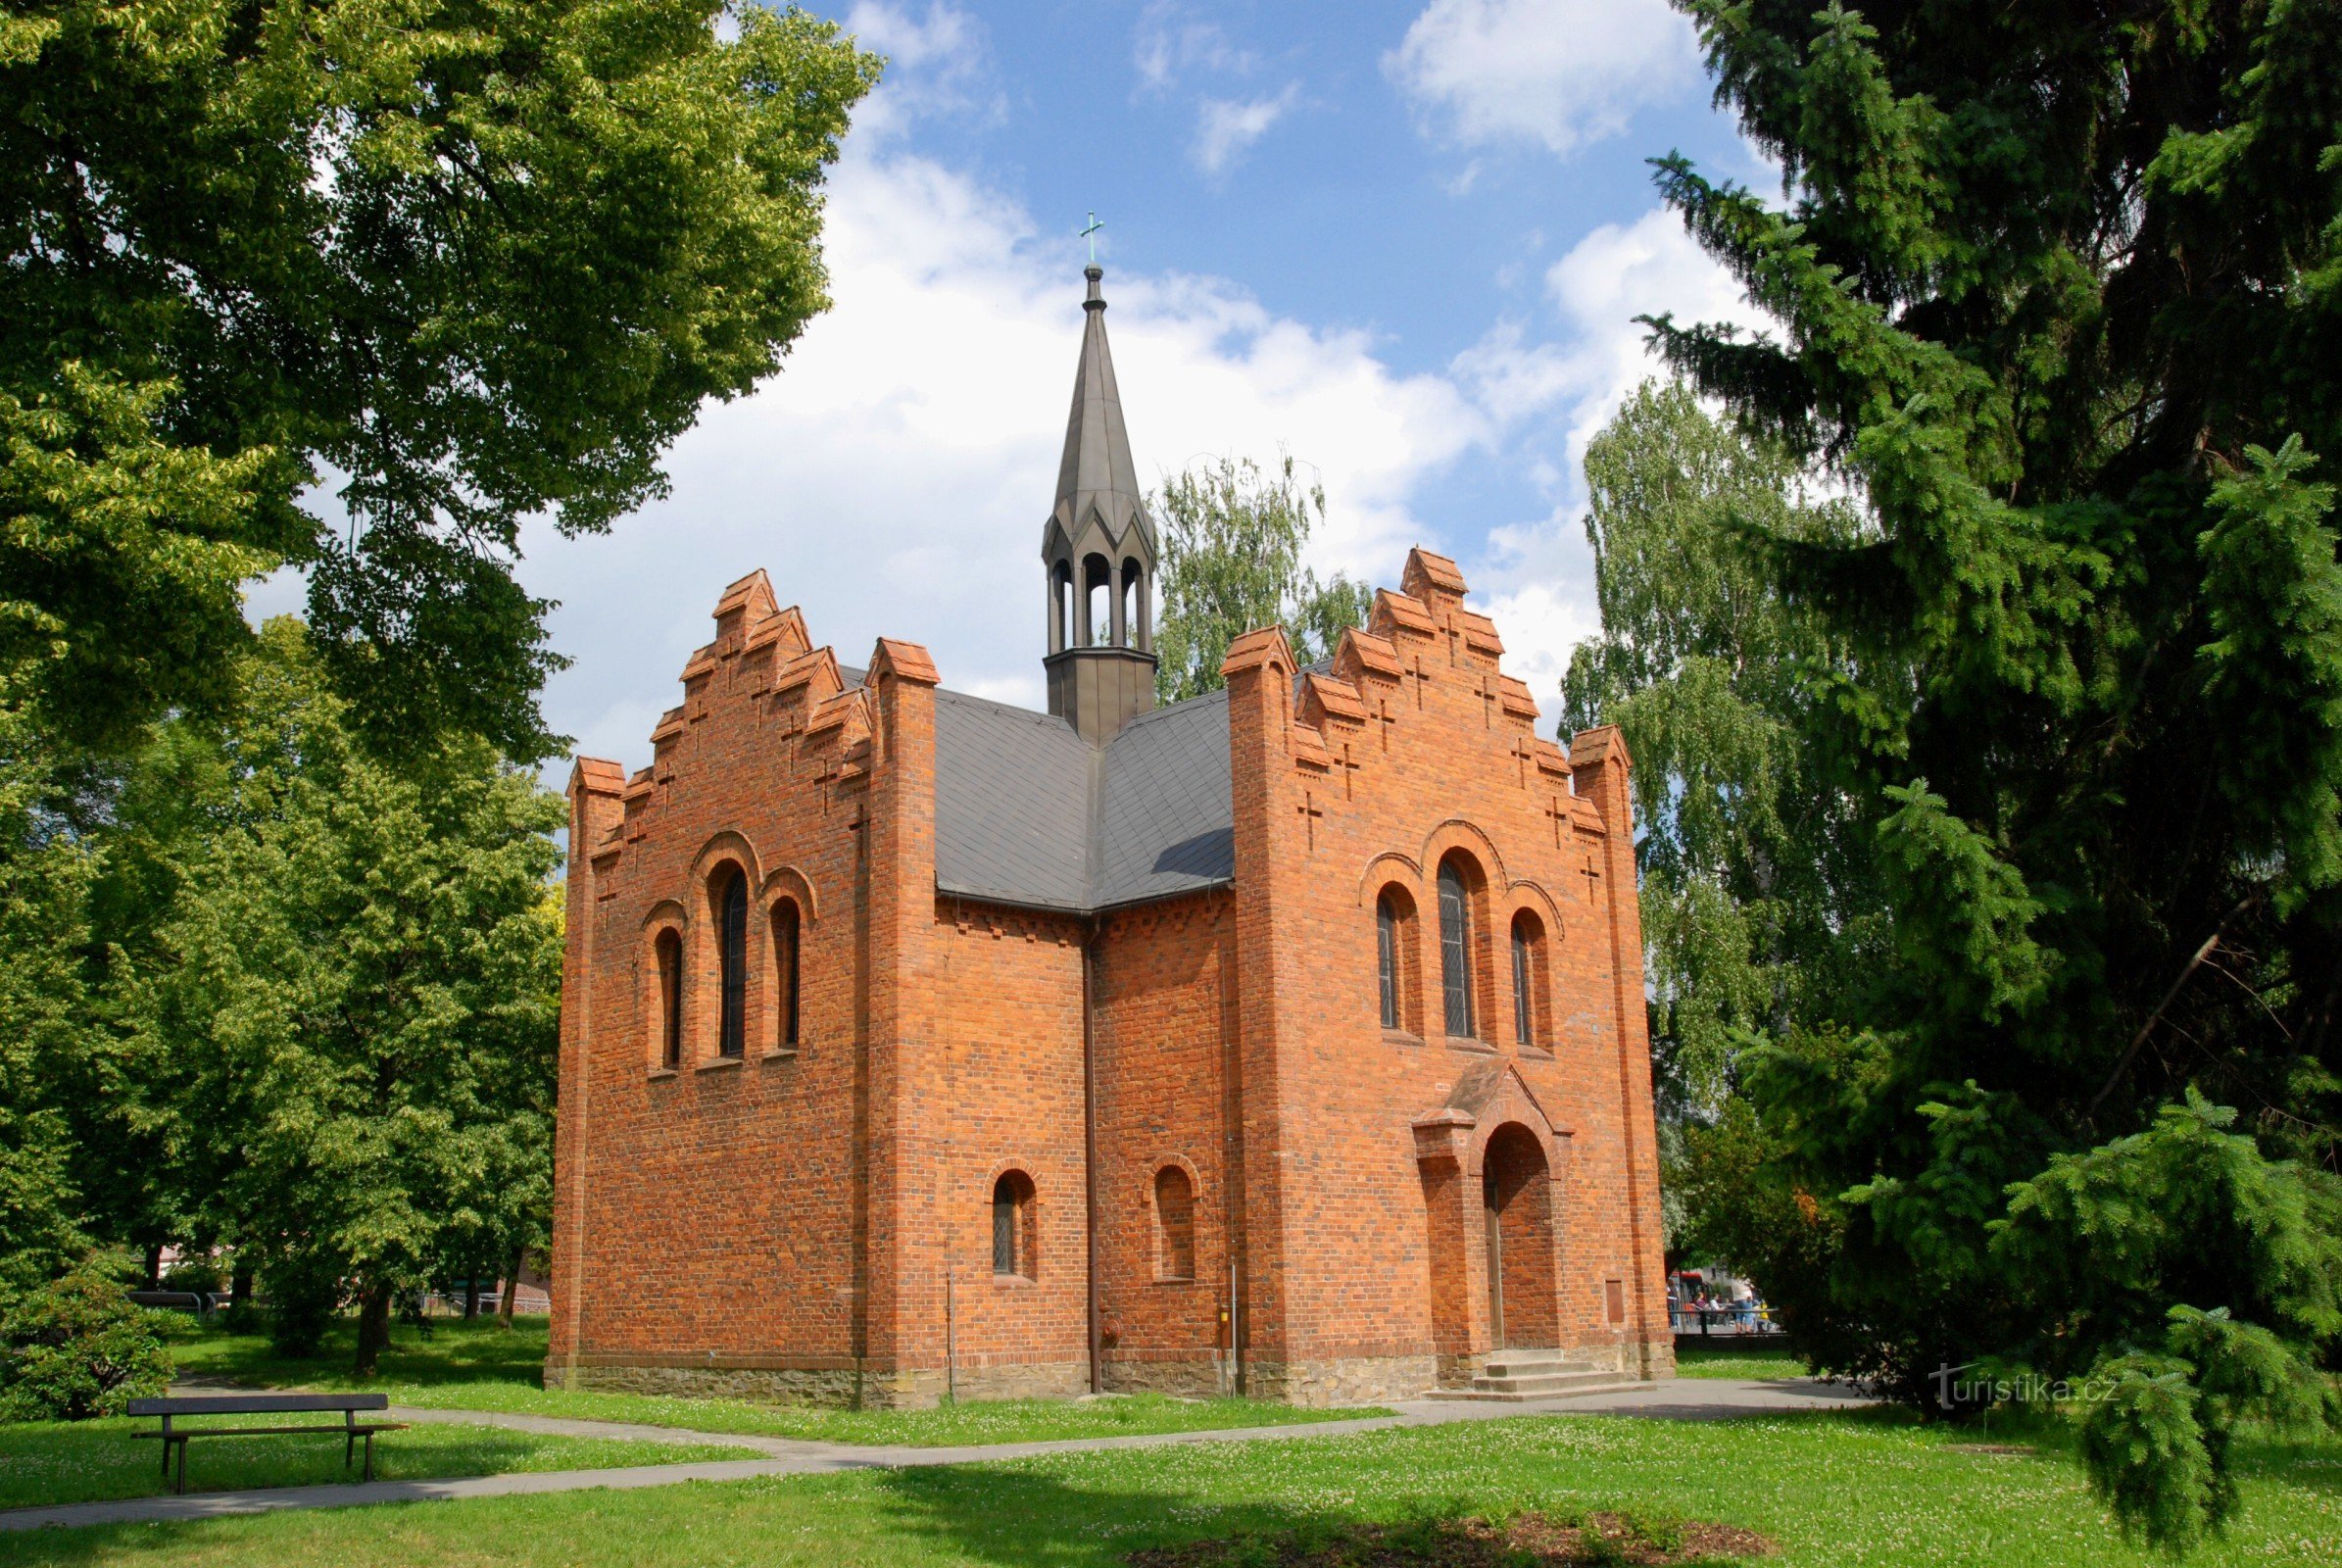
<point x="1405" y="241"/>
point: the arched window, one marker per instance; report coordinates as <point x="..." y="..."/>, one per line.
<point x="1174" y="1225"/>
<point x="784" y="973"/>
<point x="669" y="952"/>
<point x="1530" y="1018"/>
<point x="1455" y="948"/>
<point x="1061" y="607"/>
<point x="1136" y="612"/>
<point x="730" y="902"/>
<point x="1098" y="603"/>
<point x="1386" y="958"/>
<point x="1012" y="1225"/>
<point x="1397" y="974"/>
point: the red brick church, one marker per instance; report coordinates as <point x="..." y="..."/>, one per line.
<point x="1289" y="1040"/>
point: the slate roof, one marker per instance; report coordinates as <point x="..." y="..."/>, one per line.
<point x="1027" y="813"/>
<point x="1095" y="473"/>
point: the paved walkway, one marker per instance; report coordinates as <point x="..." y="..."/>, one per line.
<point x="1685" y="1398"/>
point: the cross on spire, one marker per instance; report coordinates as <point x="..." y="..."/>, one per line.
<point x="1090" y="234"/>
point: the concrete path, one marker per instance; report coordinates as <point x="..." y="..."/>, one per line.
<point x="1685" y="1398"/>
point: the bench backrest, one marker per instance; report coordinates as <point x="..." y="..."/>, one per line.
<point x="255" y="1403"/>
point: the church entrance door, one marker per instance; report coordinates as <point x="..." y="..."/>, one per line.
<point x="1517" y="1198"/>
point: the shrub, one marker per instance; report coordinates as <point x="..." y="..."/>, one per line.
<point x="303" y="1294"/>
<point x="201" y="1274"/>
<point x="78" y="1347"/>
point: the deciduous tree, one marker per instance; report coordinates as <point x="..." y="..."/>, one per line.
<point x="356" y="1010"/>
<point x="1231" y="561"/>
<point x="464" y="264"/>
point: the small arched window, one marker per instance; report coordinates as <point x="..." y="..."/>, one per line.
<point x="1397" y="965"/>
<point x="1013" y="1226"/>
<point x="1098" y="603"/>
<point x="731" y="960"/>
<point x="669" y="952"/>
<point x="1386" y="958"/>
<point x="1455" y="948"/>
<point x="1525" y="978"/>
<point x="1174" y="1225"/>
<point x="785" y="989"/>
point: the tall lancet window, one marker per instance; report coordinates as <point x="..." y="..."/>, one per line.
<point x="1455" y="949"/>
<point x="731" y="958"/>
<point x="1386" y="945"/>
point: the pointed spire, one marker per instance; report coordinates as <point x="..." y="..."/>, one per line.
<point x="1096" y="471"/>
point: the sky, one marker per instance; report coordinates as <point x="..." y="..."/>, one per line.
<point x="1402" y="240"/>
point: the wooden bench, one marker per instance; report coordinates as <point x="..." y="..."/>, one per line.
<point x="178" y="1407"/>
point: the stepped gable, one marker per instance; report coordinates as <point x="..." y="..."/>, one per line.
<point x="818" y="720"/>
<point x="1415" y="635"/>
<point x="1028" y="812"/>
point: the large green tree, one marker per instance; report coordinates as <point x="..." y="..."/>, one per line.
<point x="2057" y="287"/>
<point x="462" y="263"/>
<point x="45" y="1023"/>
<point x="348" y="1031"/>
<point x="1757" y="905"/>
<point x="1232" y="535"/>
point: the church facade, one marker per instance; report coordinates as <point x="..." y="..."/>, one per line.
<point x="1288" y="1041"/>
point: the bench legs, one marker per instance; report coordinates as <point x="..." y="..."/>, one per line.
<point x="182" y="1487"/>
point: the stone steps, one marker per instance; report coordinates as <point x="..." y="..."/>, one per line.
<point x="1517" y="1376"/>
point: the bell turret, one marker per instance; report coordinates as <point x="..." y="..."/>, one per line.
<point x="1099" y="549"/>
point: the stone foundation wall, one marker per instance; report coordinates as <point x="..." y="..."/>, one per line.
<point x="1048" y="1379"/>
<point x="1191" y="1378"/>
<point x="1354" y="1379"/>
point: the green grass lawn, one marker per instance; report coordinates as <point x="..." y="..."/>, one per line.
<point x="1831" y="1489"/>
<point x="1726" y="1359"/>
<point x="45" y="1462"/>
<point x="482" y="1367"/>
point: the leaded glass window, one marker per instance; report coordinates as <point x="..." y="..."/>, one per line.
<point x="1455" y="950"/>
<point x="731" y="957"/>
<point x="1385" y="935"/>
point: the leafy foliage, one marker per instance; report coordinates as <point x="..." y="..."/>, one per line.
<point x="353" y="1039"/>
<point x="1231" y="563"/>
<point x="76" y="1348"/>
<point x="44" y="1016"/>
<point x="1756" y="888"/>
<point x="2056" y="297"/>
<point x="473" y="262"/>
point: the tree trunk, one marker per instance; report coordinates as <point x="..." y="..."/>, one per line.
<point x="503" y="1306"/>
<point x="373" y="1329"/>
<point x="154" y="1266"/>
<point x="239" y="1286"/>
<point x="471" y="1296"/>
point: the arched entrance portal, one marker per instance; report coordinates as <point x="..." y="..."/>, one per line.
<point x="1517" y="1201"/>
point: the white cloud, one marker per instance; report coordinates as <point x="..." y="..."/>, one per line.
<point x="1170" y="43"/>
<point x="1560" y="391"/>
<point x="1540" y="621"/>
<point x="1556" y="73"/>
<point x="893" y="478"/>
<point x="947" y="35"/>
<point x="1225" y="127"/>
<point x="1607" y="279"/>
<point x="936" y="65"/>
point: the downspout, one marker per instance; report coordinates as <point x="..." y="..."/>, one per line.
<point x="858" y="1323"/>
<point x="1090" y="1145"/>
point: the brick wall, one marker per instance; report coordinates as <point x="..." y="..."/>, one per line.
<point x="815" y="1220"/>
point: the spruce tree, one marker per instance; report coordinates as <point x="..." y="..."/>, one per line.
<point x="2058" y="295"/>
